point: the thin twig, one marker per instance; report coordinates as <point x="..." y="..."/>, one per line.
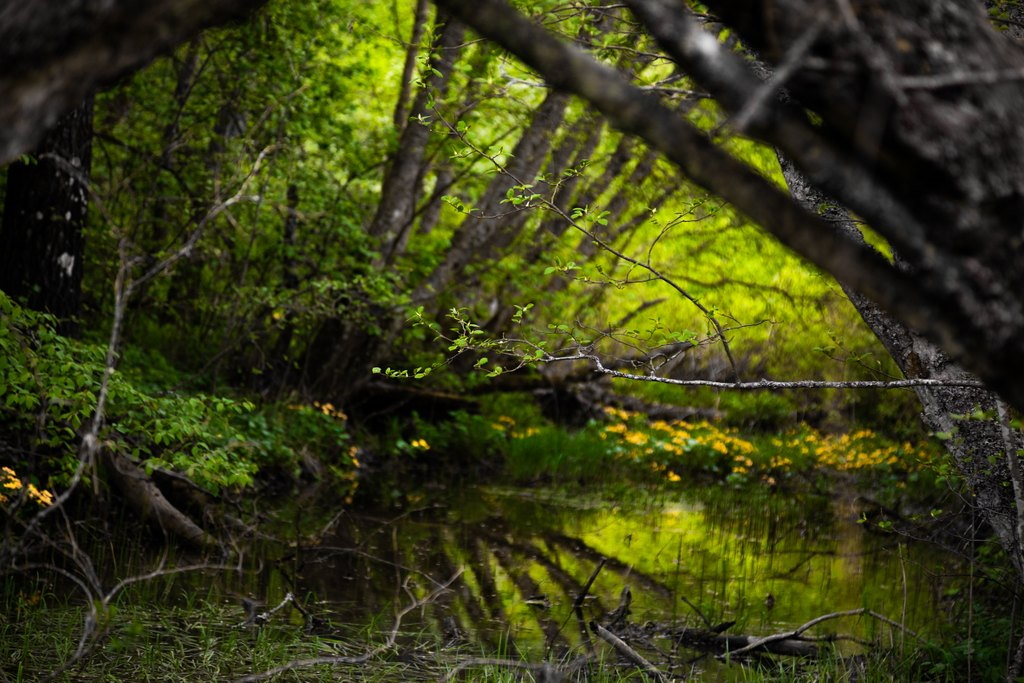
<point x="700" y="613"/>
<point x="794" y="57"/>
<point x="577" y="607"/>
<point x="578" y="602"/>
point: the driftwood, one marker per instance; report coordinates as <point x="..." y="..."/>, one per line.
<point x="626" y="651"/>
<point x="795" y="633"/>
<point x="707" y="640"/>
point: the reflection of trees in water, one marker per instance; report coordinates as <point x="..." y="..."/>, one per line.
<point x="513" y="583"/>
<point x="764" y="562"/>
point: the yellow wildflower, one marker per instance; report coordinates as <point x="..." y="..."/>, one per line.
<point x="636" y="438"/>
<point x="41" y="497"/>
<point x="9" y="480"/>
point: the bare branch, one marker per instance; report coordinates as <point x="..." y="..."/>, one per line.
<point x="794" y="57"/>
<point x="863" y="611"/>
<point x="629" y="653"/>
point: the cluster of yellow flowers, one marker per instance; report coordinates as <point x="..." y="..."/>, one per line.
<point x="503" y="424"/>
<point x="329" y="410"/>
<point x="665" y="444"/>
<point x="10" y="483"/>
<point x="797" y="450"/>
<point x="421" y="444"/>
<point x="858" y="450"/>
<point x="674" y="447"/>
<point x="506" y="425"/>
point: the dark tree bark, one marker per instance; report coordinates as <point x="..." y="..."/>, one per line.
<point x="41" y="242"/>
<point x="972" y="443"/>
<point x="55" y="52"/>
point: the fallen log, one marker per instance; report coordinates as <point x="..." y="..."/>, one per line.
<point x="144" y="496"/>
<point x="706" y="640"/>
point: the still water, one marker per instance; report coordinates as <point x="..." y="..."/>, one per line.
<point x="491" y="571"/>
<point x="520" y="558"/>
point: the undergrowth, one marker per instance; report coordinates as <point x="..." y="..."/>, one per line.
<point x="628" y="445"/>
<point x="48" y="393"/>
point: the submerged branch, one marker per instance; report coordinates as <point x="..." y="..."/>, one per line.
<point x="788" y="635"/>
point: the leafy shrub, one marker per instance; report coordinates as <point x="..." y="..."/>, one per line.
<point x="759" y="410"/>
<point x="284" y="433"/>
<point x="464" y="436"/>
<point x="48" y="393"/>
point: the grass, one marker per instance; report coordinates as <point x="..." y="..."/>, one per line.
<point x="149" y="642"/>
<point x="204" y="641"/>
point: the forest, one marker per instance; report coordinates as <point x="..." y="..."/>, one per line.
<point x="512" y="340"/>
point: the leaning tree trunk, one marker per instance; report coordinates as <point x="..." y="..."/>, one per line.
<point x="918" y="129"/>
<point x="978" y="446"/>
<point x="41" y="243"/>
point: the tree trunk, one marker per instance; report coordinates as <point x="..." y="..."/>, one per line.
<point x="978" y="446"/>
<point x="493" y="222"/>
<point x="146" y="499"/>
<point x="401" y="188"/>
<point x="44" y="215"/>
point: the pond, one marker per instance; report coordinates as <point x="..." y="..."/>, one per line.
<point x="513" y="561"/>
<point x="767" y="562"/>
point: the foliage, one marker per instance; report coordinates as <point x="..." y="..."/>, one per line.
<point x="979" y="648"/>
<point x="268" y="90"/>
<point x="759" y="410"/>
<point x="554" y="452"/>
<point x="258" y="304"/>
<point x="48" y="386"/>
<point x="465" y="437"/>
<point x="286" y="433"/>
